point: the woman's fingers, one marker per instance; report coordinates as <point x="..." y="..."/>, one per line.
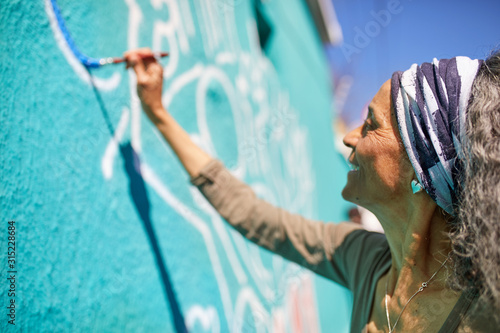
<point x="144" y="53"/>
<point x="140" y="70"/>
<point x="136" y="59"/>
<point x="149" y="75"/>
<point x="148" y="71"/>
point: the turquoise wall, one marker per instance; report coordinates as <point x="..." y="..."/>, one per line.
<point x="110" y="236"/>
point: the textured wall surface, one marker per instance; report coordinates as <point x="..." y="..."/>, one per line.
<point x="110" y="235"/>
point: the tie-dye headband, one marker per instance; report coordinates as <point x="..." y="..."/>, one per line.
<point x="430" y="101"/>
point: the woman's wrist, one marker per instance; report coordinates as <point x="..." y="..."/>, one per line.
<point x="160" y="116"/>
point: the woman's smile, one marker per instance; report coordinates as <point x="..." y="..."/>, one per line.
<point x="354" y="167"/>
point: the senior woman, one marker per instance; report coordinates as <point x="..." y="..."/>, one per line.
<point x="425" y="162"/>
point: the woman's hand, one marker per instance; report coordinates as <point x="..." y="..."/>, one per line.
<point x="149" y="82"/>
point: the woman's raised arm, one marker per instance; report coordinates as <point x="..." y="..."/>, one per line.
<point x="149" y="88"/>
<point x="306" y="242"/>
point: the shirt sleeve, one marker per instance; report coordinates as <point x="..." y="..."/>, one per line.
<point x="309" y="243"/>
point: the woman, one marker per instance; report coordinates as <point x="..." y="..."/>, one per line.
<point x="423" y="166"/>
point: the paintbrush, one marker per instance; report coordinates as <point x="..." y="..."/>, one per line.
<point x="111" y="60"/>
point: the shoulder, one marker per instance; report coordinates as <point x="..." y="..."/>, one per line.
<point x="363" y="254"/>
<point x="364" y="242"/>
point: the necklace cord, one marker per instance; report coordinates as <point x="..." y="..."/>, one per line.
<point x="423" y="286"/>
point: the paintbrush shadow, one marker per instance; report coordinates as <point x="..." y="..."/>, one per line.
<point x="139" y="195"/>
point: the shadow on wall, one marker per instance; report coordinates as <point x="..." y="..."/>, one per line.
<point x="139" y="195"/>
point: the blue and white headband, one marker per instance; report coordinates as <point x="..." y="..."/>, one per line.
<point x="430" y="102"/>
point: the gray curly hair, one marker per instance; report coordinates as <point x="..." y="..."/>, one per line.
<point x="475" y="229"/>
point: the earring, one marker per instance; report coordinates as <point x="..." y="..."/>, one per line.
<point x="416" y="186"/>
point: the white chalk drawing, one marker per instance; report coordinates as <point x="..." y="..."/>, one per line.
<point x="268" y="137"/>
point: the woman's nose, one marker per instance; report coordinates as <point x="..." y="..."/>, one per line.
<point x="351" y="138"/>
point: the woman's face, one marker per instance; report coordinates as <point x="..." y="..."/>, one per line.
<point x="381" y="171"/>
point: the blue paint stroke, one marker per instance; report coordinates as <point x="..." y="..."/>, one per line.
<point x="85" y="60"/>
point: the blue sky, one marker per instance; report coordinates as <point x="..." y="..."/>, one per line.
<point x="382" y="36"/>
